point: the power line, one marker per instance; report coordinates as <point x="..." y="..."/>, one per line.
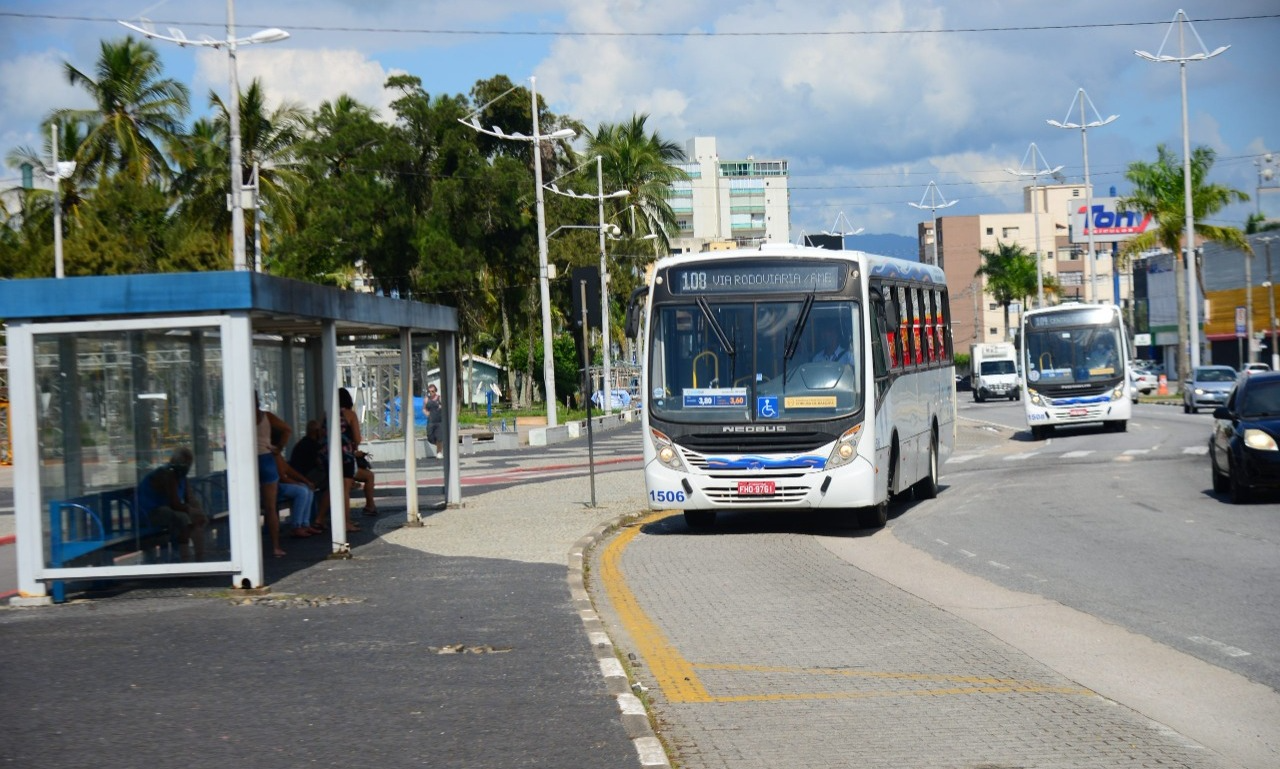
<point x="686" y="34"/>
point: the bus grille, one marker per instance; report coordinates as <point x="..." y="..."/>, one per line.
<point x="783" y="495"/>
<point x="752" y="443"/>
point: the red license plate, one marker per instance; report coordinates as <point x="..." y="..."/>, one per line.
<point x="1078" y="412"/>
<point x="756" y="488"/>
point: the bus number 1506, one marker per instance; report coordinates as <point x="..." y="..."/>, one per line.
<point x="661" y="495"/>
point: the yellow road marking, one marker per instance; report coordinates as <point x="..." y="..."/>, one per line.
<point x="671" y="671"/>
<point x="680" y="683"/>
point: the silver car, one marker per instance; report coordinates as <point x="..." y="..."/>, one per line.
<point x="1207" y="388"/>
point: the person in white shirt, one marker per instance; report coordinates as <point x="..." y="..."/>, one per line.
<point x="831" y="349"/>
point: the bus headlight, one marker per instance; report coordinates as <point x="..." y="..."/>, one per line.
<point x="1036" y="400"/>
<point x="1257" y="439"/>
<point x="846" y="448"/>
<point x="1118" y="393"/>
<point x="667" y="453"/>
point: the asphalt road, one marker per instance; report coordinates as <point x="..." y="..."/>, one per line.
<point x="1123" y="526"/>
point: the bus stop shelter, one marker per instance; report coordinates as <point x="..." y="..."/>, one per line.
<point x="108" y="375"/>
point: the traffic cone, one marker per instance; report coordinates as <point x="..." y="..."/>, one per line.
<point x="1163" y="389"/>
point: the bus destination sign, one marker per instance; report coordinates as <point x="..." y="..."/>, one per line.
<point x="1085" y="316"/>
<point x="756" y="278"/>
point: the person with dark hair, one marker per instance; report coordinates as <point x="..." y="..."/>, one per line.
<point x="163" y="499"/>
<point x="434" y="409"/>
<point x="351" y="469"/>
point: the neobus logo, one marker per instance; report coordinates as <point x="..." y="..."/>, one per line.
<point x="753" y="428"/>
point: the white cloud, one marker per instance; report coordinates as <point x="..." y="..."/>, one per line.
<point x="307" y="77"/>
<point x="29" y="84"/>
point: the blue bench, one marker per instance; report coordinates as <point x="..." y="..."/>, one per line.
<point x="90" y="530"/>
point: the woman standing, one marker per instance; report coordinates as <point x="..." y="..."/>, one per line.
<point x="351" y="470"/>
<point x="268" y="476"/>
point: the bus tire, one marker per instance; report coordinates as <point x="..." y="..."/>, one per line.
<point x="927" y="487"/>
<point x="875" y="516"/>
<point x="699" y="519"/>
<point x="1039" y="432"/>
<point x="1118" y="425"/>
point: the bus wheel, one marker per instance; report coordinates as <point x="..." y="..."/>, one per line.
<point x="699" y="519"/>
<point x="1039" y="432"/>
<point x="927" y="487"/>
<point x="875" y="516"/>
<point x="1118" y="426"/>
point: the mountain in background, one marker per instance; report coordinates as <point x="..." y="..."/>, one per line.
<point x="900" y="246"/>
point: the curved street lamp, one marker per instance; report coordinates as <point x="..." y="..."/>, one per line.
<point x="933" y="194"/>
<point x="233" y="110"/>
<point x="1189" y="237"/>
<point x="544" y="286"/>
<point x="1036" y="171"/>
<point x="1084" y="126"/>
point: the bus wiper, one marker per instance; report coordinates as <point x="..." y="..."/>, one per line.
<point x="715" y="327"/>
<point x="793" y="340"/>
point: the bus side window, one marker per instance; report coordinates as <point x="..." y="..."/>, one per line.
<point x="940" y="328"/>
<point x="916" y="319"/>
<point x="881" y="337"/>
<point x="929" y="345"/>
<point x="904" y="320"/>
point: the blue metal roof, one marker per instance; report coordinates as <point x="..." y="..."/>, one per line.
<point x="292" y="303"/>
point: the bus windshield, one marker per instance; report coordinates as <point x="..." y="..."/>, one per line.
<point x="726" y="361"/>
<point x="1074" y="355"/>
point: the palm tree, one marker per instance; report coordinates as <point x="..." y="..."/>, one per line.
<point x="1011" y="275"/>
<point x="1158" y="189"/>
<point x="138" y="112"/>
<point x="641" y="163"/>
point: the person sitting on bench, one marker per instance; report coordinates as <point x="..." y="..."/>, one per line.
<point x="162" y="499"/>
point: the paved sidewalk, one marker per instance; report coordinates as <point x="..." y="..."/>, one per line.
<point x="456" y="644"/>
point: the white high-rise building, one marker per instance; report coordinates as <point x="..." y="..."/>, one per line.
<point x="729" y="203"/>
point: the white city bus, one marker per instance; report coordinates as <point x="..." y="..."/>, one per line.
<point x="1076" y="361"/>
<point x="793" y="379"/>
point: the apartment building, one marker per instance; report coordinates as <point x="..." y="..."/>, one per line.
<point x="729" y="203"/>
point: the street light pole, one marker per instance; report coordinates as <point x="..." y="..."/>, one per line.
<point x="932" y="193"/>
<point x="1034" y="173"/>
<point x="1189" y="234"/>
<point x="1084" y="127"/>
<point x="606" y="342"/>
<point x="235" y="200"/>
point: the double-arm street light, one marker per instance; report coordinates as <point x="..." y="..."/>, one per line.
<point x="936" y="201"/>
<point x="1181" y="21"/>
<point x="1084" y="125"/>
<point x="233" y="111"/>
<point x="544" y="286"/>
<point x="1036" y="171"/>
<point x="600" y="198"/>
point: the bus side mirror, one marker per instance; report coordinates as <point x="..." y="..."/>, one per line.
<point x="635" y="308"/>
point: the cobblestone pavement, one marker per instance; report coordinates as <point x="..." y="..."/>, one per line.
<point x="759" y="647"/>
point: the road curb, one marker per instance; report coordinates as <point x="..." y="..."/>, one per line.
<point x="631" y="710"/>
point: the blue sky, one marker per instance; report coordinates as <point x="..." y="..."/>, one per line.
<point x="868" y="101"/>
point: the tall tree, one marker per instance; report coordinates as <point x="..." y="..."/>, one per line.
<point x="1011" y="275"/>
<point x="138" y="112"/>
<point x="1159" y="189"/>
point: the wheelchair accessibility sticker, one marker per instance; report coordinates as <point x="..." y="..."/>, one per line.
<point x="767" y="407"/>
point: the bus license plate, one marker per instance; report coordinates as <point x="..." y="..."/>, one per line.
<point x="1078" y="412"/>
<point x="756" y="488"/>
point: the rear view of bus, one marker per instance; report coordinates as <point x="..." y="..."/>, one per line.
<point x="1076" y="359"/>
<point x="770" y="382"/>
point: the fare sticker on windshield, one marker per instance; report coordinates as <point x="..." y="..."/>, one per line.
<point x="715" y="398"/>
<point x="810" y="401"/>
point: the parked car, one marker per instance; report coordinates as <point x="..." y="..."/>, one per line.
<point x="1143" y="381"/>
<point x="964" y="383"/>
<point x="1207" y="388"/>
<point x="1254" y="368"/>
<point x="1243" y="451"/>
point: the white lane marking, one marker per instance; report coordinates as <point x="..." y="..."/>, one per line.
<point x="997" y="564"/>
<point x="962" y="458"/>
<point x="1137" y="452"/>
<point x="1019" y="457"/>
<point x="1123" y="458"/>
<point x="967" y="554"/>
<point x="1076" y="454"/>
<point x="942" y="542"/>
<point x="1230" y="651"/>
<point x="1197" y="450"/>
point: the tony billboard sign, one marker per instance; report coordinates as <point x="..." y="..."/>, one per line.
<point x="1110" y="225"/>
